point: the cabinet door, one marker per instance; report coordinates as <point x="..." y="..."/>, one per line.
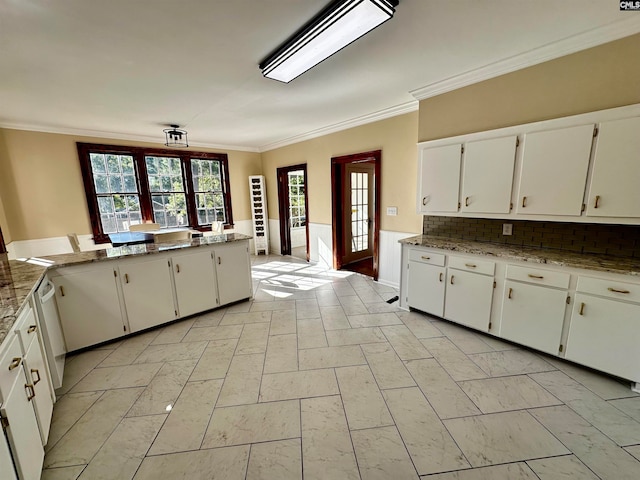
<point x="533" y="315"/>
<point x="195" y="280"/>
<point x="468" y="299"/>
<point x="604" y="335"/>
<point x="38" y="376"/>
<point x="554" y="171"/>
<point x="22" y="430"/>
<point x="8" y="472"/>
<point x="488" y="175"/>
<point x="148" y="292"/>
<point x="233" y="272"/>
<point x="614" y="188"/>
<point x="426" y="288"/>
<point x="89" y="307"/>
<point x="439" y="179"/>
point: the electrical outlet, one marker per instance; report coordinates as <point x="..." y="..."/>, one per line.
<point x="507" y="229"/>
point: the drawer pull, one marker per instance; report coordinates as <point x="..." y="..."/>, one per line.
<point x="581" y="312"/>
<point x="424" y="200"/>
<point x="177" y="268"/>
<point x="440" y="277"/>
<point x="595" y="204"/>
<point x="466" y="202"/>
<point x="425" y="258"/>
<point x="32" y="328"/>
<point x="15" y="363"/>
<point x="510" y="292"/>
<point x="611" y="289"/>
<point x="524" y="202"/>
<point x="31" y="392"/>
<point x="470" y="265"/>
<point x="452" y="279"/>
<point x="37" y="380"/>
<point x="539" y="277"/>
<point x="219" y="261"/>
<point x="61" y="291"/>
<point x="126" y="278"/>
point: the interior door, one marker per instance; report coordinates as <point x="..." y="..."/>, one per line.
<point x="293" y="211"/>
<point x="358" y="213"/>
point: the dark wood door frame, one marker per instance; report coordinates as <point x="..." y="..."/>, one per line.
<point x="283" y="206"/>
<point x="3" y="247"/>
<point x="337" y="203"/>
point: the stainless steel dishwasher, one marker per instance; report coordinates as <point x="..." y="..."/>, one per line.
<point x="51" y="330"/>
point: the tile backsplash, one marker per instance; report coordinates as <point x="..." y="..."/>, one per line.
<point x="616" y="240"/>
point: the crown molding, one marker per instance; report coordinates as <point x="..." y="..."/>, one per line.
<point x="117" y="136"/>
<point x="408" y="107"/>
<point x="566" y="46"/>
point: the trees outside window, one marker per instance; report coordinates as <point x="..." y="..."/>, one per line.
<point x="130" y="185"/>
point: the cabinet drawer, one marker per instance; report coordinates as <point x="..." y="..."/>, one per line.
<point x="26" y="327"/>
<point x="10" y="364"/>
<point x="609" y="288"/>
<point x="537" y="276"/>
<point x="424" y="256"/>
<point x="472" y="265"/>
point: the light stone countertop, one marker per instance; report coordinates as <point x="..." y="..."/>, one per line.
<point x="19" y="278"/>
<point x="561" y="258"/>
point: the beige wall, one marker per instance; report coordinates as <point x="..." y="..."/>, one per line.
<point x="602" y="77"/>
<point x="41" y="183"/>
<point x="396" y="137"/>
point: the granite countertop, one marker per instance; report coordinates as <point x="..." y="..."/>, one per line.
<point x="561" y="258"/>
<point x="19" y="278"/>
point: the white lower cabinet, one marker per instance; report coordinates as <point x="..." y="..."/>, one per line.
<point x="35" y="369"/>
<point x="195" y="281"/>
<point x="604" y="335"/>
<point x="533" y="315"/>
<point x="468" y="298"/>
<point x="233" y="271"/>
<point x="18" y="415"/>
<point x="148" y="291"/>
<point x="426" y="288"/>
<point x="89" y="305"/>
<point x="8" y="470"/>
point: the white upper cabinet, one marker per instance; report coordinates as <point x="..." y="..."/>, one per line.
<point x="488" y="175"/>
<point x="615" y="190"/>
<point x="554" y="171"/>
<point x="439" y="179"/>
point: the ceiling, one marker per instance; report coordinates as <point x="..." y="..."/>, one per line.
<point x="125" y="69"/>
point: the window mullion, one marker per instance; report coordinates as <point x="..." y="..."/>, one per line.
<point x="190" y="193"/>
<point x="143" y="186"/>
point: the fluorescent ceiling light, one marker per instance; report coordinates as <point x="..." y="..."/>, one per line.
<point x="335" y="27"/>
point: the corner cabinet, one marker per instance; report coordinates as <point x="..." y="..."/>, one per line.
<point x="439" y="179"/>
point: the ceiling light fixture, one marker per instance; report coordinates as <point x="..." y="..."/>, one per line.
<point x="176" y="137"/>
<point x="339" y="24"/>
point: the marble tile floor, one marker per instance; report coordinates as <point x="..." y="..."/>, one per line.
<point x="319" y="378"/>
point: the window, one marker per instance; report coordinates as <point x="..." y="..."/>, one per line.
<point x="296" y="199"/>
<point x="130" y="185"/>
